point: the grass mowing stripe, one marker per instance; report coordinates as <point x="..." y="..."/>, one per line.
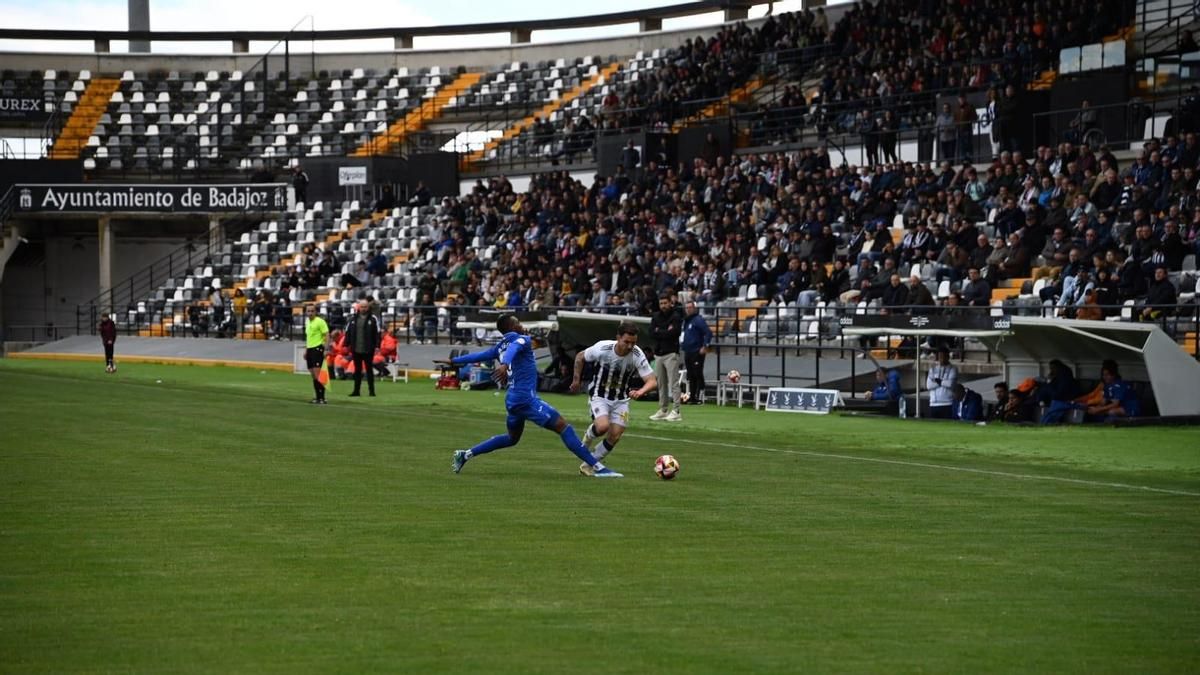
<point x="448" y="416"/>
<point x="923" y="465"/>
<point x="194" y="526"/>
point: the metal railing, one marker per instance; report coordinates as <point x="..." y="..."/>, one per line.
<point x="1159" y="24"/>
<point x="46" y="332"/>
<point x="138" y="287"/>
<point x="1115" y="124"/>
<point x="740" y="328"/>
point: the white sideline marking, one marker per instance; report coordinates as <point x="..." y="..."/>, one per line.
<point x="926" y="465"/>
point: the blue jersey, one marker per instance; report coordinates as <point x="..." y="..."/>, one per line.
<point x="515" y="351"/>
<point x="1122" y="392"/>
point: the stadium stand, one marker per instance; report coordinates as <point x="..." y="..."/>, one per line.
<point x="774" y="243"/>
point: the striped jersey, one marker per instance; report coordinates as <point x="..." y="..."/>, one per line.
<point x="611" y="373"/>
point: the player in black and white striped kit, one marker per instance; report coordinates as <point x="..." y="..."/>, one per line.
<point x="614" y="363"/>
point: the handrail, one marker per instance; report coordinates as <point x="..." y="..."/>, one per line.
<point x="7" y="206"/>
<point x="143" y="281"/>
<point x="732" y="329"/>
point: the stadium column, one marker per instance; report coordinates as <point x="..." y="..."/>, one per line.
<point x="139" y="20"/>
<point x="216" y="234"/>
<point x="520" y="36"/>
<point x="105" y="234"/>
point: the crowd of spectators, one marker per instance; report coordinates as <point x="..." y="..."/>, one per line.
<point x="1089" y="231"/>
<point x="881" y="68"/>
<point x="798" y="229"/>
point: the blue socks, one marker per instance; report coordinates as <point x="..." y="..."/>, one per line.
<point x="569" y="439"/>
<point x="493" y="443"/>
<point x="576" y="446"/>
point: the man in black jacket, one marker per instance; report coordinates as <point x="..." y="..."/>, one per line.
<point x="665" y="327"/>
<point x="976" y="292"/>
<point x="1159" y="296"/>
<point x="362" y="336"/>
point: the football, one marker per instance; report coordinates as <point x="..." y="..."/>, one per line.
<point x="666" y="467"/>
<point x="734" y="376"/>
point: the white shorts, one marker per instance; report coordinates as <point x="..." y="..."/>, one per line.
<point x="617" y="412"/>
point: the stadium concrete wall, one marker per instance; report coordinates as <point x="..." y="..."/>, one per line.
<point x="302" y="59"/>
<point x="46" y="289"/>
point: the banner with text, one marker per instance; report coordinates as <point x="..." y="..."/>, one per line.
<point x="17" y="108"/>
<point x="352" y="175"/>
<point x="119" y="198"/>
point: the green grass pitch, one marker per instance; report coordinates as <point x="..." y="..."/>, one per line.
<point x="179" y="519"/>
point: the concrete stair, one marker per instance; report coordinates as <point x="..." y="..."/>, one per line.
<point x="417" y="118"/>
<point x="86" y="114"/>
<point x="721" y="107"/>
<point x="514" y="130"/>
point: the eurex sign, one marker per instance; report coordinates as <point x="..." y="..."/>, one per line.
<point x="14" y="108"/>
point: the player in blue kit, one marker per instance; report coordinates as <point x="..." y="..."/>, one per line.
<point x="515" y="351"/>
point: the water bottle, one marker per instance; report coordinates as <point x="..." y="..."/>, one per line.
<point x="903" y="407"/>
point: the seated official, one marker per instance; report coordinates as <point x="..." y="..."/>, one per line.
<point x="887" y="389"/>
<point x="968" y="405"/>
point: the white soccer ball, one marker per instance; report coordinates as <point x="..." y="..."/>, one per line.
<point x="734" y="376"/>
<point x="685" y="397"/>
<point x="666" y="467"/>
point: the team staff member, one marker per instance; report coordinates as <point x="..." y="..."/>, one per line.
<point x="665" y="326"/>
<point x="940" y="382"/>
<point x="316" y="339"/>
<point x="696" y="338"/>
<point x="108" y="336"/>
<point x="362" y="337"/>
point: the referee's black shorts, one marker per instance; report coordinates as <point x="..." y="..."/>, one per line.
<point x="315" y="357"/>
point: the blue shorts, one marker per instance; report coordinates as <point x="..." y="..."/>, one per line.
<point x="537" y="411"/>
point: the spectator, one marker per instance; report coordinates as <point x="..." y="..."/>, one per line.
<point x="965" y="118"/>
<point x="216" y="302"/>
<point x="300" y="184"/>
<point x="919" y="296"/>
<point x="426" y="320"/>
<point x="358" y="278"/>
<point x="895" y="296"/>
<point x="386" y="201"/>
<point x="976" y="292"/>
<point x="239" y="310"/>
<point x="1160" y="297"/>
<point x="378" y="265"/>
<point x="421" y="196"/>
<point x="947" y="134"/>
